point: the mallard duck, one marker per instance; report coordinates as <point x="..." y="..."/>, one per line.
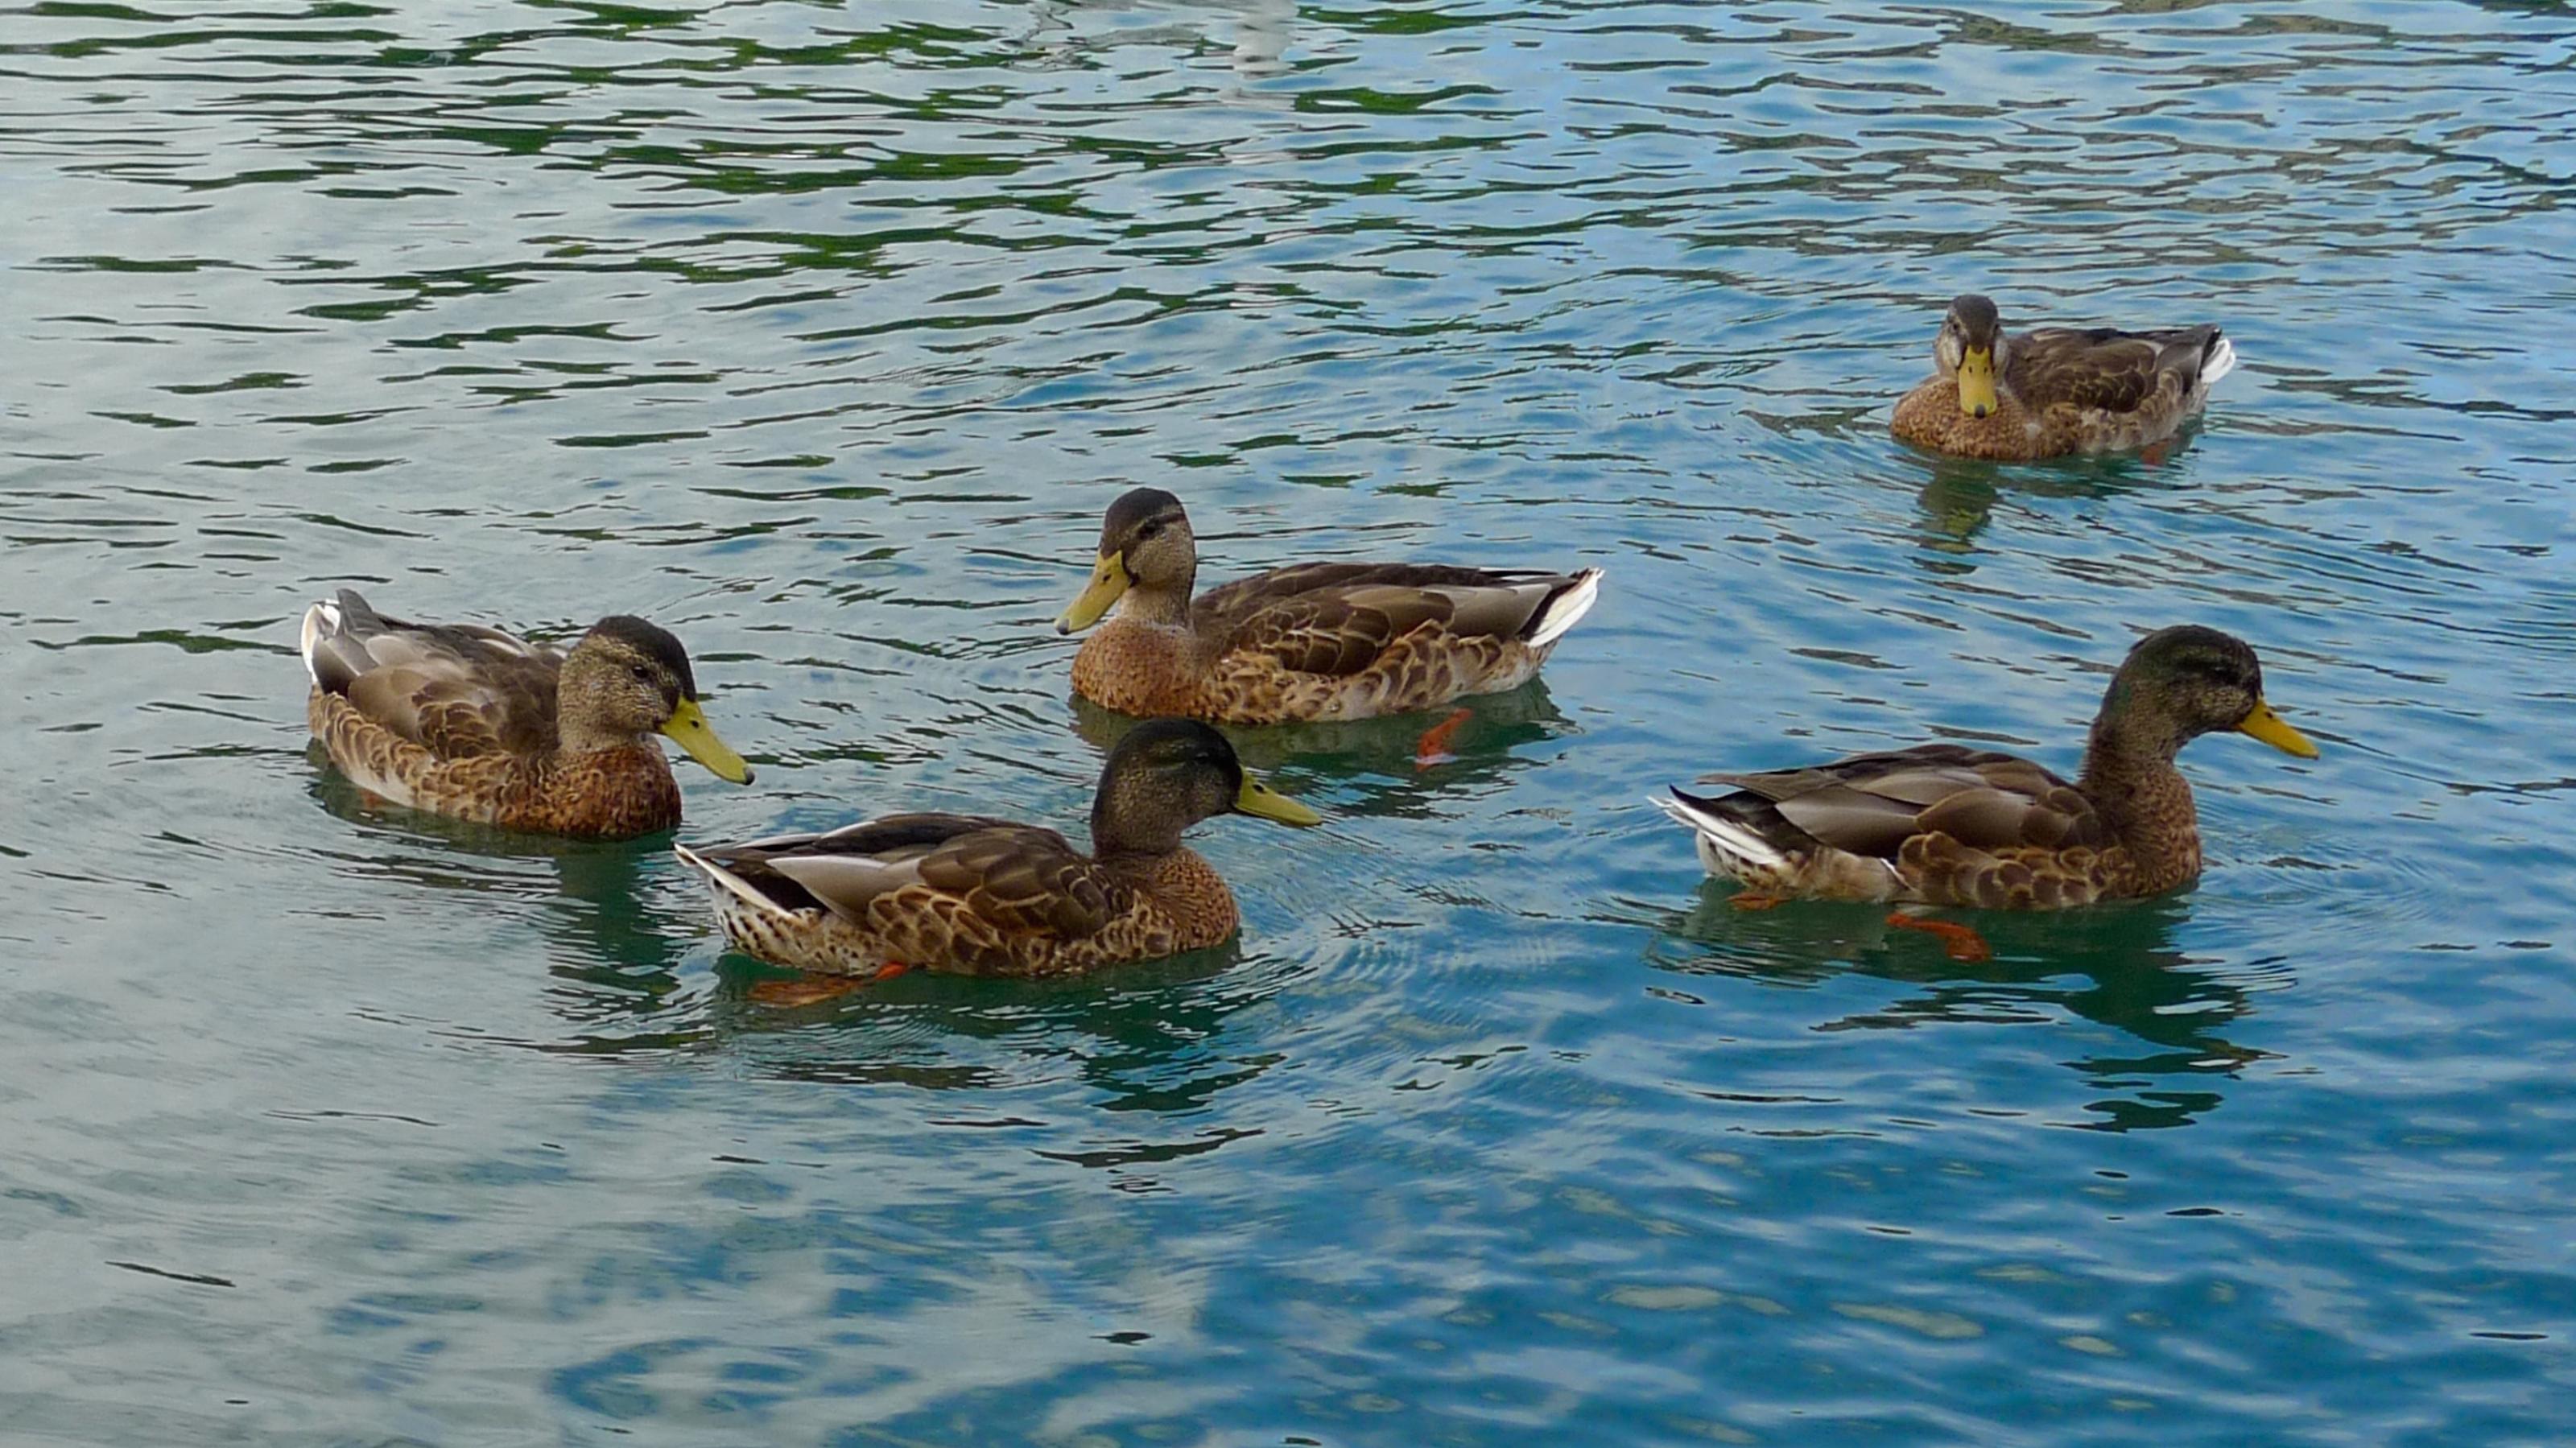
<point x="980" y="896"/>
<point x="1940" y="824"/>
<point x="472" y="722"/>
<point x="2056" y="390"/>
<point x="1315" y="641"/>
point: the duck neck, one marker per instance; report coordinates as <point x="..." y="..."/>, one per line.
<point x="1130" y="837"/>
<point x="2129" y="776"/>
<point x="577" y="733"/>
<point x="1165" y="603"/>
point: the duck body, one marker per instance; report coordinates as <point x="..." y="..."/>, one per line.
<point x="1935" y="825"/>
<point x="959" y="893"/>
<point x="1332" y="641"/>
<point x="1940" y="824"/>
<point x="1310" y="642"/>
<point x="2055" y="390"/>
<point x="978" y="895"/>
<point x="470" y="722"/>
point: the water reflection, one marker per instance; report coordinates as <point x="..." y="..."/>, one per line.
<point x="615" y="960"/>
<point x="597" y="926"/>
<point x="430" y="849"/>
<point x="1261" y="30"/>
<point x="1151" y="1037"/>
<point x="1959" y="495"/>
<point x="2116" y="965"/>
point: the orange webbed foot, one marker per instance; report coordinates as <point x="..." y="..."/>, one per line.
<point x="1958" y="940"/>
<point x="1749" y="900"/>
<point x="1433" y="747"/>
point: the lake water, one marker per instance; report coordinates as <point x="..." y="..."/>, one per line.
<point x="822" y="334"/>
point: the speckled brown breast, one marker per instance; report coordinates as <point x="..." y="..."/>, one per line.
<point x="1140" y="669"/>
<point x="1929" y="416"/>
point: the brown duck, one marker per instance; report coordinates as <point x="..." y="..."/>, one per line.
<point x="1314" y="641"/>
<point x="482" y="725"/>
<point x="2056" y="390"/>
<point x="1944" y="825"/>
<point x="974" y="895"/>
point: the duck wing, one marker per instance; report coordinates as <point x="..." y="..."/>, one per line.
<point x="1870" y="804"/>
<point x="1017" y="879"/>
<point x="458" y="690"/>
<point x="2107" y="368"/>
<point x="1337" y="618"/>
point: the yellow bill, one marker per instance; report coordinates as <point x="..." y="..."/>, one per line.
<point x="1108" y="580"/>
<point x="1977" y="381"/>
<point x="2269" y="727"/>
<point x="1256" y="798"/>
<point x="689" y="729"/>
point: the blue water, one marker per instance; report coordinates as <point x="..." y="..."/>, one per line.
<point x="823" y="334"/>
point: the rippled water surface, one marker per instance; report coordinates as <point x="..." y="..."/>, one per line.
<point x="823" y="333"/>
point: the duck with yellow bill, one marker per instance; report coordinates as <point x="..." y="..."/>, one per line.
<point x="1311" y="642"/>
<point x="2013" y="397"/>
<point x="482" y="725"/>
<point x="979" y="895"/>
<point x="1942" y="824"/>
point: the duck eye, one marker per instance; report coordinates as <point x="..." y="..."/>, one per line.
<point x="1147" y="532"/>
<point x="641" y="672"/>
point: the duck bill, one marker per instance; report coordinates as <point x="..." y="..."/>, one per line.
<point x="1256" y="798"/>
<point x="1977" y="381"/>
<point x="1109" y="581"/>
<point x="2269" y="727"/>
<point x="688" y="728"/>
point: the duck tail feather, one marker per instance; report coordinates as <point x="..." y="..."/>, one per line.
<point x="1740" y="845"/>
<point x="720" y="878"/>
<point x="1566" y="609"/>
<point x="2218" y="361"/>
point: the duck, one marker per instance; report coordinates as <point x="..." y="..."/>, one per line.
<point x="1305" y="643"/>
<point x="979" y="895"/>
<point x="482" y="725"/>
<point x="1943" y="824"/>
<point x="2056" y="390"/>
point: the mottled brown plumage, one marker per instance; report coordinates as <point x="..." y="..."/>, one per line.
<point x="975" y="895"/>
<point x="2056" y="390"/>
<point x="1315" y="641"/>
<point x="1945" y="825"/>
<point x="482" y="725"/>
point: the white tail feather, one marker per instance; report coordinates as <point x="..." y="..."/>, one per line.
<point x="1567" y="609"/>
<point x="2220" y="361"/>
<point x="718" y="877"/>
<point x="320" y="622"/>
<point x="1739" y="847"/>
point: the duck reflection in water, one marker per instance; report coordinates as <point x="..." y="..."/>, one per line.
<point x="1154" y="1037"/>
<point x="615" y="957"/>
<point x="2115" y="965"/>
<point x="1959" y="495"/>
<point x="1261" y="31"/>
